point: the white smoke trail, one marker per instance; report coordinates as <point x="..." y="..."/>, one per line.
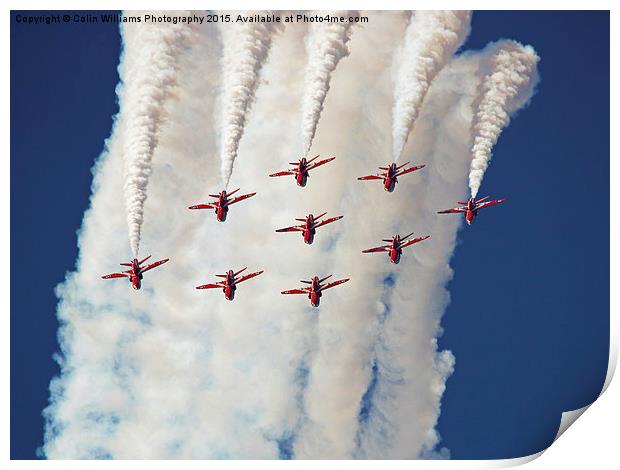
<point x="339" y="370"/>
<point x="246" y="47"/>
<point x="410" y="375"/>
<point x="326" y="45"/>
<point x="410" y="371"/>
<point x="149" y="74"/>
<point x="177" y="373"/>
<point x="127" y="356"/>
<point x="353" y="408"/>
<point x="511" y="76"/>
<point x="431" y="39"/>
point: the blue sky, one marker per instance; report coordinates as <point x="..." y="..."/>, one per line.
<point x="529" y="317"/>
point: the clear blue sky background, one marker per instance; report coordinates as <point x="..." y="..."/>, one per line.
<point x="529" y="318"/>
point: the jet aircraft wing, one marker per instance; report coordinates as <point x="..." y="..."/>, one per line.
<point x="453" y="211"/>
<point x="371" y="177"/>
<point x="489" y="203"/>
<point x="296" y="291"/>
<point x="409" y="170"/>
<point x="248" y="276"/>
<point x="334" y="284"/>
<point x="114" y="275"/>
<point x="211" y="286"/>
<point x="240" y="198"/>
<point x="328" y="221"/>
<point x="154" y="265"/>
<point x="377" y="249"/>
<point x="415" y="240"/>
<point x="320" y="162"/>
<point x="295" y="228"/>
<point x="283" y="173"/>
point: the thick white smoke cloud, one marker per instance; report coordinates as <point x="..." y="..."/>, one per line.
<point x="410" y="371"/>
<point x="431" y="39"/>
<point x="172" y="372"/>
<point x="149" y="73"/>
<point x="326" y="45"/>
<point x="510" y="77"/>
<point x="246" y="47"/>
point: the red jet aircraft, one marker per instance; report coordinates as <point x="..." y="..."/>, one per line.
<point x="135" y="273"/>
<point x="315" y="291"/>
<point x="309" y="226"/>
<point x="390" y="175"/>
<point x="302" y="167"/>
<point x="229" y="284"/>
<point x="222" y="203"/>
<point x="471" y="207"/>
<point x="395" y="248"/>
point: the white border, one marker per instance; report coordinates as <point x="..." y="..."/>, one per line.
<point x="593" y="442"/>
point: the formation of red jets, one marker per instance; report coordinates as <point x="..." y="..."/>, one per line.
<point x="388" y="175"/>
